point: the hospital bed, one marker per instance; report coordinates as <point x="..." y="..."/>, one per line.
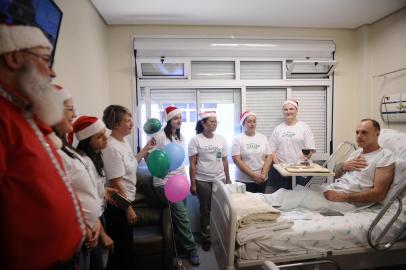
<point x="369" y="238"/>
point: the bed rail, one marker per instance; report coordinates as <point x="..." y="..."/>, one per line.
<point x="376" y="243"/>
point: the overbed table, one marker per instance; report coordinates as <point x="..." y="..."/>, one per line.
<point x="313" y="170"/>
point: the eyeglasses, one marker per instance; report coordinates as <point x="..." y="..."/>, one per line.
<point x="71" y="109"/>
<point x="44" y="57"/>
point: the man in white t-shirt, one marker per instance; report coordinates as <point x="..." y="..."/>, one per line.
<point x="367" y="175"/>
<point x="364" y="178"/>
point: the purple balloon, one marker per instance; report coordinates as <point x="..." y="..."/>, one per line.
<point x="177" y="188"/>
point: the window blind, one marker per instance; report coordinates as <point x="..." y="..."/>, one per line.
<point x="257" y="70"/>
<point x="266" y="103"/>
<point x="313" y="111"/>
<point x="213" y="70"/>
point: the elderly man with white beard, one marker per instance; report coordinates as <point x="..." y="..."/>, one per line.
<point x="41" y="223"/>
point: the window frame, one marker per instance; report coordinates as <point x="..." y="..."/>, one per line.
<point x="237" y="83"/>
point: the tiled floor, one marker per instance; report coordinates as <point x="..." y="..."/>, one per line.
<point x="207" y="261"/>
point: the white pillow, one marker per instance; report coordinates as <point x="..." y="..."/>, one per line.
<point x="399" y="180"/>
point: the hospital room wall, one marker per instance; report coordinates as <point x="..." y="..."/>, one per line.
<point x="81" y="60"/>
<point x="346" y="79"/>
<point x="94" y="60"/>
<point x="384" y="51"/>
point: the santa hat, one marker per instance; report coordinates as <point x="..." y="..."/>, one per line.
<point x="204" y="115"/>
<point x="244" y="115"/>
<point x="292" y="102"/>
<point x="87" y="126"/>
<point x="20" y="37"/>
<point x="63" y="93"/>
<point x="171" y="112"/>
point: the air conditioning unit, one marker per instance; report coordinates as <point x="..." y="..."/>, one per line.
<point x="310" y="68"/>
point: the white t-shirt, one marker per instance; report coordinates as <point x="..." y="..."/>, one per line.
<point x="356" y="181"/>
<point x="210" y="152"/>
<point x="100" y="180"/>
<point x="161" y="142"/>
<point x="253" y="151"/>
<point x="288" y="141"/>
<point x="119" y="161"/>
<point x="84" y="184"/>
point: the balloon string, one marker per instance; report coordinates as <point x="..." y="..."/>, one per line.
<point x="179" y="263"/>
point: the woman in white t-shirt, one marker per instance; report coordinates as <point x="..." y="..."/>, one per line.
<point x="78" y="170"/>
<point x="91" y="135"/>
<point x="183" y="233"/>
<point x="208" y="162"/>
<point x="251" y="153"/>
<point x="286" y="142"/>
<point x="120" y="166"/>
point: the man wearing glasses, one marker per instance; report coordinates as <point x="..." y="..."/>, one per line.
<point x="41" y="223"/>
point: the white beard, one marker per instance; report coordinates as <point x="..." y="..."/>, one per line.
<point x="46" y="104"/>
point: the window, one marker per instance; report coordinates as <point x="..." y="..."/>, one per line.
<point x="213" y="70"/>
<point x="226" y="102"/>
<point x="254" y="70"/>
<point x="313" y="111"/>
<point x="266" y="103"/>
<point x="230" y="75"/>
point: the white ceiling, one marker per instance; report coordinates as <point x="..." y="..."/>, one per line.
<point x="278" y="13"/>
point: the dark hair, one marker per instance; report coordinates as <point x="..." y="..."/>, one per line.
<point x="96" y="157"/>
<point x="375" y="123"/>
<point x="199" y="125"/>
<point x="168" y="131"/>
<point x="113" y="115"/>
<point x="65" y="144"/>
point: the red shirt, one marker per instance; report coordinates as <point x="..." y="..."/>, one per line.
<point x="39" y="225"/>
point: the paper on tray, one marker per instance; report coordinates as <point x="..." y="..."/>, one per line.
<point x="301" y="168"/>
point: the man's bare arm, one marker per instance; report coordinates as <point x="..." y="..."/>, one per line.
<point x="382" y="180"/>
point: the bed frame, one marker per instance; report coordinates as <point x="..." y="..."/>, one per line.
<point x="223" y="232"/>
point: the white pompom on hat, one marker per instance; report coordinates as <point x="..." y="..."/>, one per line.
<point x="63" y="93"/>
<point x="204" y="115"/>
<point x="171" y="112"/>
<point x="244" y="115"/>
<point x="292" y="102"/>
<point x="87" y="126"/>
<point x="21" y="37"/>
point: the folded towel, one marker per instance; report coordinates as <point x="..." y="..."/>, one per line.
<point x="252" y="209"/>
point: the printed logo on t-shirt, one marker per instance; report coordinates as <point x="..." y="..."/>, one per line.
<point x="210" y="148"/>
<point x="252" y="146"/>
<point x="288" y="134"/>
<point x="218" y="154"/>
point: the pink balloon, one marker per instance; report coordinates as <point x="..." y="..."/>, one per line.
<point x="177" y="188"/>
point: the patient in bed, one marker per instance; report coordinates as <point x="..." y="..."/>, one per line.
<point x="362" y="180"/>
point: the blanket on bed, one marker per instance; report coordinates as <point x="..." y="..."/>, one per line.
<point x="252" y="209"/>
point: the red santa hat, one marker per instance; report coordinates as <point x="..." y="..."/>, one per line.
<point x="87" y="126"/>
<point x="291" y="102"/>
<point x="204" y="115"/>
<point x="63" y="93"/>
<point x="244" y="115"/>
<point x="20" y="37"/>
<point x="171" y="112"/>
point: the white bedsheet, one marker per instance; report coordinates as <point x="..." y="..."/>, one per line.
<point x="318" y="234"/>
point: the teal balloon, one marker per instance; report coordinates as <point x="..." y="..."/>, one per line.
<point x="176" y="155"/>
<point x="158" y="163"/>
<point x="152" y="126"/>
